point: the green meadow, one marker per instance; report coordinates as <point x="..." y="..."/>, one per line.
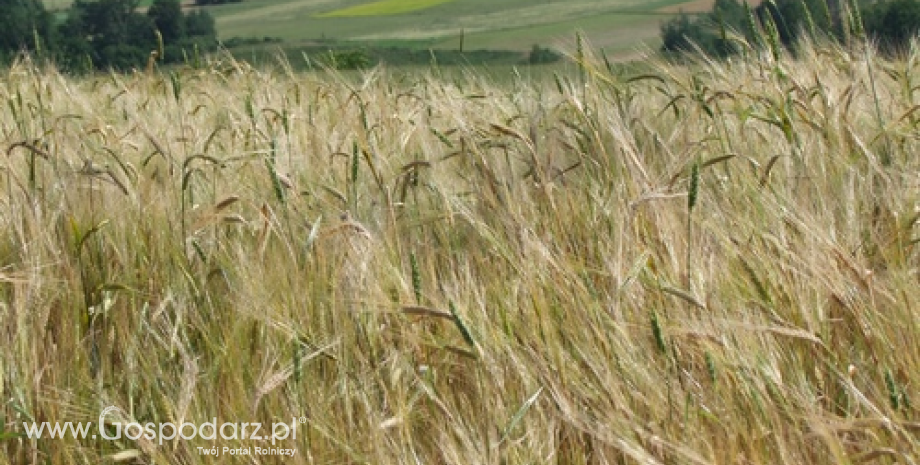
<point x="383" y="8"/>
<point x="617" y="25"/>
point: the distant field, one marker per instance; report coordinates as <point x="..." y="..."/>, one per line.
<point x="64" y="4"/>
<point x="383" y="8"/>
<point x="617" y="26"/>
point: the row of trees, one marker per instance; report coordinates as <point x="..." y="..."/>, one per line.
<point x="104" y="34"/>
<point x="889" y="23"/>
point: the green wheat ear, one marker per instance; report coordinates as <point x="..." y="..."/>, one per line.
<point x="711" y="367"/>
<point x="694" y="186"/>
<point x="857" y="21"/>
<point x="271" y="165"/>
<point x="895" y="394"/>
<point x="416" y="277"/>
<point x="772" y="36"/>
<point x="353" y="176"/>
<point x="657" y="334"/>
<point x="297" y="355"/>
<point x="809" y="22"/>
<point x="176" y="84"/>
<point x="461" y="326"/>
<point x="753" y="29"/>
<point x="692" y="195"/>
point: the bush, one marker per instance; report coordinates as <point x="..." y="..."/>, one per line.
<point x="346" y="59"/>
<point x="709" y="32"/>
<point x="540" y="55"/>
<point x="241" y="41"/>
<point x="892" y="24"/>
<point x="26" y="25"/>
<point x="679" y="34"/>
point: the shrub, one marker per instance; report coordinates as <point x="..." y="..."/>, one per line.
<point x="540" y="55"/>
<point x="892" y="24"/>
<point x="346" y="59"/>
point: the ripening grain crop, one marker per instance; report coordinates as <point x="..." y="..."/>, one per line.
<point x="709" y="263"/>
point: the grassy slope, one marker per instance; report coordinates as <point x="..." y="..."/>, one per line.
<point x="616" y="33"/>
<point x="618" y="26"/>
<point x="515" y="24"/>
<point x="64" y="4"/>
<point x="594" y="319"/>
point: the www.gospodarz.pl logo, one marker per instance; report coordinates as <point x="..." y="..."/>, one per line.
<point x="210" y="430"/>
<point x="111" y="426"/>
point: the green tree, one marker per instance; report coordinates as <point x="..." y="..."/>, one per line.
<point x="711" y="32"/>
<point x="107" y="33"/>
<point x="74" y="50"/>
<point x="25" y="26"/>
<point x="892" y="24"/>
<point x="793" y="17"/>
<point x="200" y="24"/>
<point x="539" y="55"/>
<point x="200" y="35"/>
<point x="679" y="34"/>
<point x="167" y="17"/>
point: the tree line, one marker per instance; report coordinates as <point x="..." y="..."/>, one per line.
<point x="104" y="34"/>
<point x="890" y="24"/>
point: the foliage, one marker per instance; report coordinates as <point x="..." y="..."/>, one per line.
<point x="241" y="41"/>
<point x="104" y="34"/>
<point x="794" y="17"/>
<point x="346" y="59"/>
<point x="711" y="33"/>
<point x="107" y="33"/>
<point x="540" y="55"/>
<point x="199" y="23"/>
<point x="167" y="17"/>
<point x="892" y="24"/>
<point x="24" y="24"/>
<point x="267" y="51"/>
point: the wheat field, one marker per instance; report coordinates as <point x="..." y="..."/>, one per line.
<point x="698" y="263"/>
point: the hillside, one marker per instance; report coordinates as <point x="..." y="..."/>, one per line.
<point x="511" y="24"/>
<point x="618" y="26"/>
